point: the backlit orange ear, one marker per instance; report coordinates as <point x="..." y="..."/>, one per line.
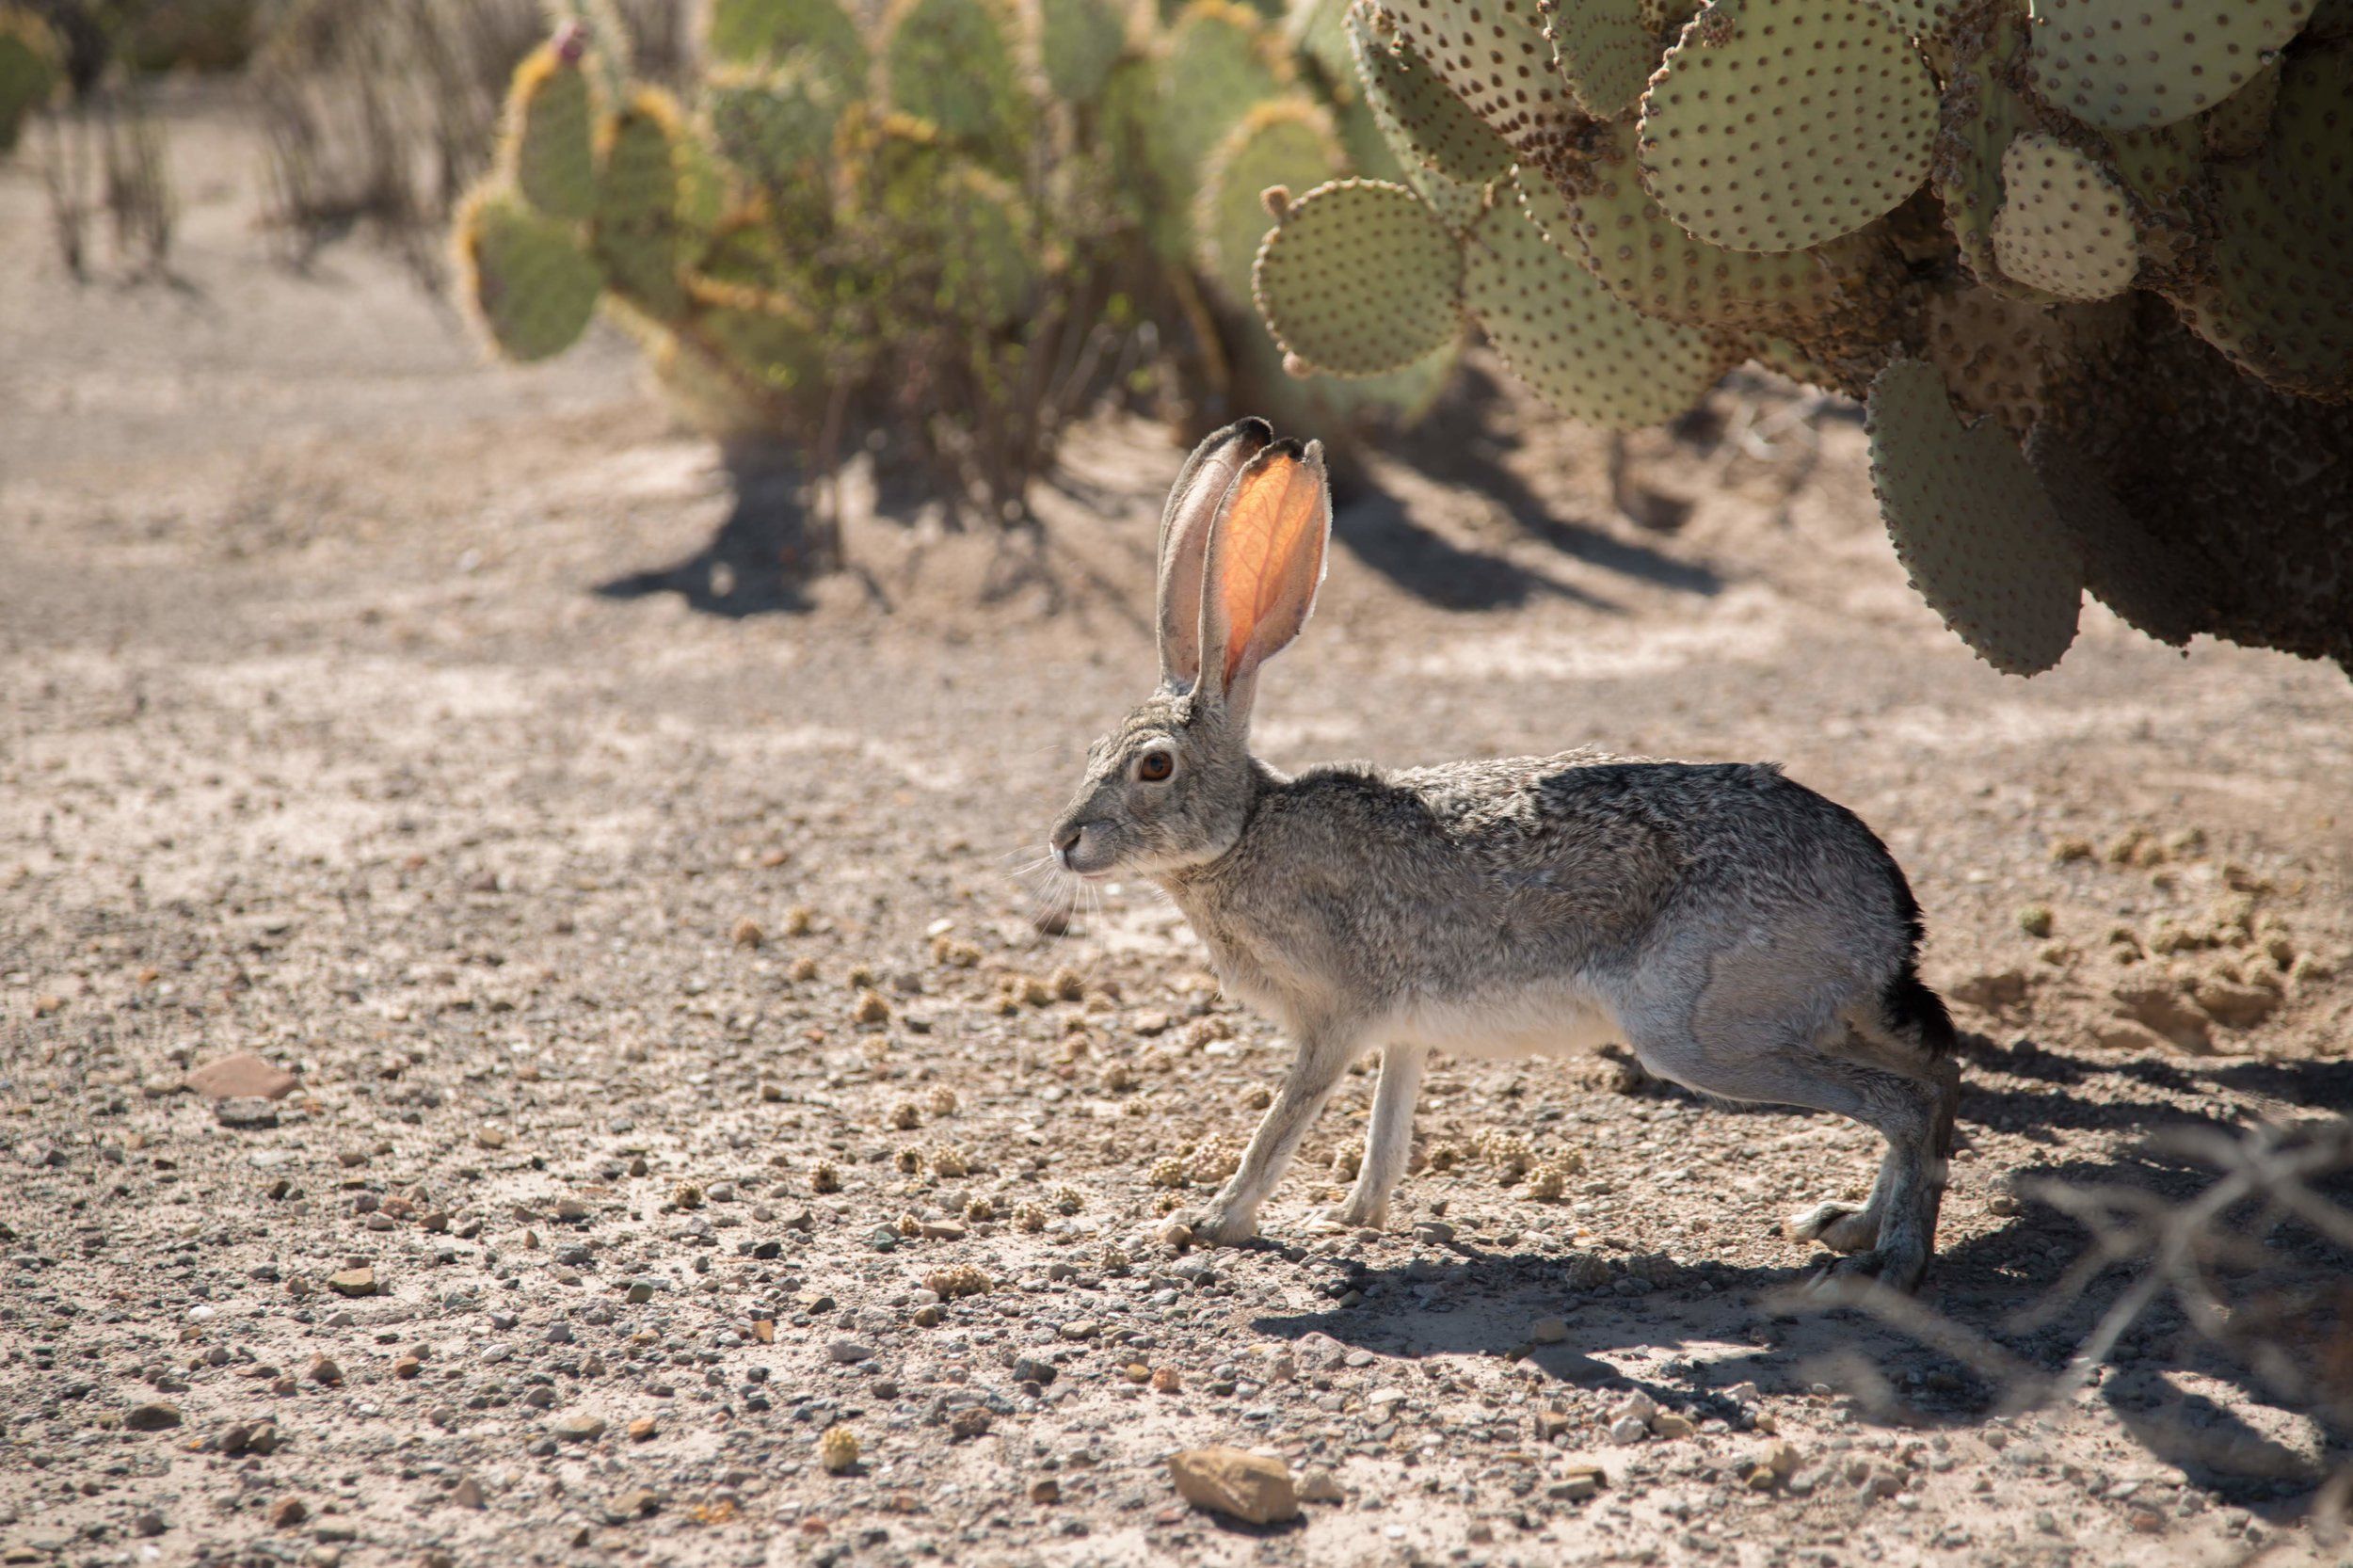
<point x="1268" y="554"/>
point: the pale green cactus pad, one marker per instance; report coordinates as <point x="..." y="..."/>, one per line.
<point x="552" y="116"/>
<point x="1427" y="125"/>
<point x="1359" y="278"/>
<point x="2279" y="301"/>
<point x="950" y="62"/>
<point x="635" y="234"/>
<point x="2236" y="127"/>
<point x="2124" y="65"/>
<point x="776" y="355"/>
<point x="1586" y="352"/>
<point x="1975" y="529"/>
<point x="2163" y="173"/>
<point x="1925" y="19"/>
<point x="1219" y="63"/>
<point x="29" y="69"/>
<point x="2064" y="228"/>
<point x="1079" y="42"/>
<point x="1604" y="49"/>
<point x="775" y="125"/>
<point x="2160" y="588"/>
<point x="1494" y="55"/>
<point x="1610" y="222"/>
<point x="1663" y="17"/>
<point x="768" y="32"/>
<point x="1778" y="125"/>
<point x="525" y="276"/>
<point x="984" y="245"/>
<point x="1287" y="143"/>
<point x="1980" y="118"/>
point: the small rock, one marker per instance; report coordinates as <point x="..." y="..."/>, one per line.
<point x="247" y="1113"/>
<point x="579" y="1429"/>
<point x="1318" y="1486"/>
<point x="1579" y="1482"/>
<point x="406" y="1367"/>
<point x="1668" y="1424"/>
<point x="243" y="1075"/>
<point x="467" y="1493"/>
<point x="1433" y="1230"/>
<point x="153" y="1418"/>
<point x="323" y="1370"/>
<point x="289" y="1511"/>
<point x="1551" y="1424"/>
<point x="846" y="1351"/>
<point x="1046" y="1489"/>
<point x="353" y="1282"/>
<point x="1255" y="1488"/>
<point x="747" y="933"/>
<point x="2238" y="1006"/>
<point x="1083" y="1328"/>
<point x="149" y="1523"/>
<point x="638" y="1503"/>
<point x="642" y="1428"/>
<point x="1548" y="1331"/>
<point x="1638" y="1406"/>
<point x="1625" y="1430"/>
<point x="2162" y="1007"/>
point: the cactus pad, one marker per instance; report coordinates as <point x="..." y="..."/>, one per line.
<point x="2236" y="127"/>
<point x="2062" y="227"/>
<point x="1587" y="353"/>
<point x="1924" y="19"/>
<point x="2162" y="588"/>
<point x="776" y="126"/>
<point x="2126" y="65"/>
<point x="1418" y="114"/>
<point x="2279" y="301"/>
<point x="1610" y="222"/>
<point x="635" y="234"/>
<point x="769" y="32"/>
<point x="1975" y="529"/>
<point x="550" y="137"/>
<point x="983" y="245"/>
<point x="1778" y="125"/>
<point x="528" y="281"/>
<point x="950" y="62"/>
<point x="1287" y="143"/>
<point x="1604" y="49"/>
<point x="1359" y="278"/>
<point x="1079" y="42"/>
<point x="2009" y="358"/>
<point x="1220" y="61"/>
<point x="29" y="69"/>
<point x="1493" y="55"/>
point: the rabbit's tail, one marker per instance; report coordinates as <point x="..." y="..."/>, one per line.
<point x="1912" y="1012"/>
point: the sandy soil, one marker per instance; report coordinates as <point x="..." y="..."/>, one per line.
<point x="669" y="1018"/>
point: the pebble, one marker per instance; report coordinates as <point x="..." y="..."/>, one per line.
<point x="1578" y="1482"/>
<point x="149" y="1523"/>
<point x="467" y="1493"/>
<point x="323" y="1370"/>
<point x="1625" y="1430"/>
<point x="579" y="1429"/>
<point x="353" y="1282"/>
<point x="289" y="1511"/>
<point x="1046" y="1489"/>
<point x="153" y="1418"/>
<point x="1083" y="1328"/>
<point x="1433" y="1230"/>
<point x="1318" y="1486"/>
<point x="1548" y="1331"/>
<point x="846" y="1351"/>
<point x="245" y="1111"/>
<point x="242" y="1075"/>
<point x="1255" y="1488"/>
<point x="643" y="1428"/>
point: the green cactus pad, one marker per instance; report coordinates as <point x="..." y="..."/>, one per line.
<point x="1971" y="524"/>
<point x="635" y="234"/>
<point x="1493" y="55"/>
<point x="1778" y="125"/>
<point x="1220" y="61"/>
<point x="2062" y="228"/>
<point x="2163" y="588"/>
<point x="1981" y="115"/>
<point x="1924" y="19"/>
<point x="2280" y="299"/>
<point x="2163" y="175"/>
<point x="1079" y="42"/>
<point x="1427" y="125"/>
<point x="551" y="117"/>
<point x="30" y="70"/>
<point x="1288" y="143"/>
<point x="1609" y="221"/>
<point x="1359" y="278"/>
<point x="1587" y="353"/>
<point x="525" y="276"/>
<point x="769" y="32"/>
<point x="984" y="244"/>
<point x="2126" y="65"/>
<point x="951" y="62"/>
<point x="1604" y="49"/>
<point x="2235" y="128"/>
<point x="774" y="355"/>
<point x="775" y="125"/>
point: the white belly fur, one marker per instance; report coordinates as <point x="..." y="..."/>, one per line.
<point x="1559" y="1018"/>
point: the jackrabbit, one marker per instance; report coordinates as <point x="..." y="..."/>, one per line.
<point x="1745" y="937"/>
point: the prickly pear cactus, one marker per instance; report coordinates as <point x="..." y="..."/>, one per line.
<point x="2084" y="259"/>
<point x="31" y="68"/>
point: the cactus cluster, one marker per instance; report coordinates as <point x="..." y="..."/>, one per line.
<point x="925" y="227"/>
<point x="31" y="69"/>
<point x="2082" y="260"/>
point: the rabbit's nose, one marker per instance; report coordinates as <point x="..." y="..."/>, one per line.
<point x="1065" y="835"/>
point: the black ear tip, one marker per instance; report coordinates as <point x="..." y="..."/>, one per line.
<point x="1249" y="426"/>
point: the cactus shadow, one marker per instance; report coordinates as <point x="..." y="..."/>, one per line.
<point x="756" y="564"/>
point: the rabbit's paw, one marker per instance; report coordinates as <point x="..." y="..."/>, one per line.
<point x="1220" y="1227"/>
<point x="1898" y="1265"/>
<point x="1839" y="1227"/>
<point x="1339" y="1219"/>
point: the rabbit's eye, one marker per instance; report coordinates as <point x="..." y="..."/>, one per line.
<point x="1154" y="767"/>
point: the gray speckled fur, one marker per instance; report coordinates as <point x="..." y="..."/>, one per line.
<point x="1742" y="934"/>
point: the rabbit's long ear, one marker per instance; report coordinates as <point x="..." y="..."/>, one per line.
<point x="1266" y="561"/>
<point x="1192" y="503"/>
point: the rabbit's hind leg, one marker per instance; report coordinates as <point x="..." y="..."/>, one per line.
<point x="1388" y="1140"/>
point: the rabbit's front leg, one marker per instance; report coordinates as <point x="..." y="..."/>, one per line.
<point x="1388" y="1140"/>
<point x="1232" y="1216"/>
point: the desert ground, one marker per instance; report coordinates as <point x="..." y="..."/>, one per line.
<point x="667" y="1057"/>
